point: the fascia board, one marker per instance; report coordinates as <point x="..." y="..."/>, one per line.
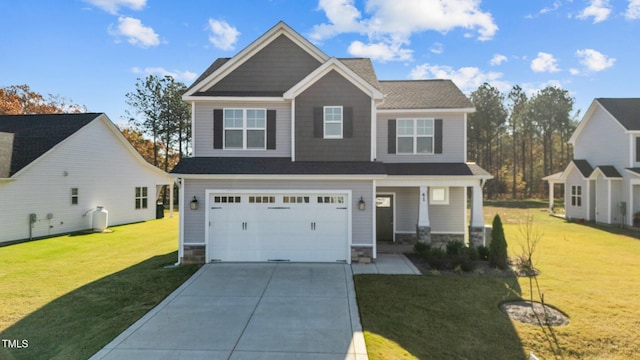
<point x="234" y="98"/>
<point x="406" y="111"/>
<point x="278" y="177"/>
<point x="333" y="64"/>
<point x="587" y="116"/>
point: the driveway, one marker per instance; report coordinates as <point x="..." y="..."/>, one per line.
<point x="251" y="311"/>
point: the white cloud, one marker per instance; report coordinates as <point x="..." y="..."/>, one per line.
<point x="136" y="33"/>
<point x="574" y="71"/>
<point x="393" y="22"/>
<point x="176" y="74"/>
<point x="594" y="60"/>
<point x="633" y="10"/>
<point x="223" y="36"/>
<point x="544" y="63"/>
<point x="379" y="51"/>
<point x="466" y="78"/>
<point x="437" y="48"/>
<point x="112" y="6"/>
<point x="599" y="10"/>
<point x="498" y="59"/>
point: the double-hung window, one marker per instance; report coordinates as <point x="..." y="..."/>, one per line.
<point x="245" y="129"/>
<point x="576" y="195"/>
<point x="141" y="197"/>
<point x="414" y="136"/>
<point x="333" y="122"/>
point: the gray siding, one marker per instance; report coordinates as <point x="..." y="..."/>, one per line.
<point x="453" y="140"/>
<point x="362" y="221"/>
<point x="449" y="218"/>
<point x="276" y="68"/>
<point x="334" y="90"/>
<point x="203" y="132"/>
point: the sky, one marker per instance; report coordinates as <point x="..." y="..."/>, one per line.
<point x="92" y="52"/>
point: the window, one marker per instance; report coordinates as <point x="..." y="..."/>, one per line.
<point x="414" y="136"/>
<point x="576" y="195"/>
<point x="227" y="199"/>
<point x="262" y="199"/>
<point x="245" y="129"/>
<point x="333" y="122"/>
<point x="330" y="199"/>
<point x="74" y="196"/>
<point x="295" y="199"/>
<point x="439" y="195"/>
<point x="141" y="197"/>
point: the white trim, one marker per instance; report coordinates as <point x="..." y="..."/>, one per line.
<point x="374" y="131"/>
<point x="464" y="129"/>
<point x="373" y="221"/>
<point x="277" y="177"/>
<point x="293" y="129"/>
<point x="386" y="193"/>
<point x="193" y="128"/>
<point x="415" y="136"/>
<point x="449" y="232"/>
<point x="245" y="130"/>
<point x="235" y="98"/>
<point x="587" y="117"/>
<point x="414" y="181"/>
<point x="439" y="202"/>
<point x="340" y="68"/>
<point x="608" y="201"/>
<point x="632" y="158"/>
<point x="348" y="203"/>
<point x="181" y="184"/>
<point x="248" y="52"/>
<point x="430" y="111"/>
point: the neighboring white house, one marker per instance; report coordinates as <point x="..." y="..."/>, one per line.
<point x="61" y="167"/>
<point x="602" y="183"/>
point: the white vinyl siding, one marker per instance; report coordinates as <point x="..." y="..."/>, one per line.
<point x="604" y="129"/>
<point x="576" y="195"/>
<point x="203" y="129"/>
<point x="453" y="139"/>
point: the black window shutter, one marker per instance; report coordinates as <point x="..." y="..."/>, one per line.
<point x="437" y="132"/>
<point x="391" y="136"/>
<point x="218" y="128"/>
<point x="271" y="129"/>
<point x="347" y="122"/>
<point x="638" y="149"/>
<point x="318" y="122"/>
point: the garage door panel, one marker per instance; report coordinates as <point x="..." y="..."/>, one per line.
<point x="264" y="227"/>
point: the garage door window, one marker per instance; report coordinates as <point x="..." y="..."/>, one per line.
<point x="262" y="199"/>
<point x="330" y="199"/>
<point x="295" y="199"/>
<point x="227" y="199"/>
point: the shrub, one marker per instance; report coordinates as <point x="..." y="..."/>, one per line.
<point x="421" y="249"/>
<point x="498" y="247"/>
<point x="438" y="259"/>
<point x="472" y="253"/>
<point x="483" y="252"/>
<point x="454" y="248"/>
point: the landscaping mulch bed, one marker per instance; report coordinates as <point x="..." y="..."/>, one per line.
<point x="482" y="268"/>
<point x="534" y="313"/>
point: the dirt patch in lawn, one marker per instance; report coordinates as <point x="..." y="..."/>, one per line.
<point x="534" y="313"/>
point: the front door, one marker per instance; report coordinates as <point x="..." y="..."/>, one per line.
<point x="384" y="218"/>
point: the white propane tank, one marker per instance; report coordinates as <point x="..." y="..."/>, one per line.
<point x="99" y="219"/>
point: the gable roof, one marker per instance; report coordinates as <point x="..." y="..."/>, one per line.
<point x="34" y="135"/>
<point x="608" y="171"/>
<point x="423" y="94"/>
<point x="584" y="167"/>
<point x="224" y="67"/>
<point x="364" y="68"/>
<point x="625" y="110"/>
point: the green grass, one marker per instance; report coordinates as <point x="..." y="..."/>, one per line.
<point x="589" y="272"/>
<point x="69" y="296"/>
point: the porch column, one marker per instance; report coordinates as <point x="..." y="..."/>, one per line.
<point x="476" y="229"/>
<point x="171" y="199"/>
<point x="551" y="197"/>
<point x="423" y="230"/>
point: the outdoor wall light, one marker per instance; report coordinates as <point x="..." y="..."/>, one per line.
<point x="361" y="204"/>
<point x="194" y="204"/>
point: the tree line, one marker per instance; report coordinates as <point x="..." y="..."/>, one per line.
<point x="520" y="139"/>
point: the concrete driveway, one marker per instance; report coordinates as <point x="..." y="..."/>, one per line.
<point x="251" y="311"/>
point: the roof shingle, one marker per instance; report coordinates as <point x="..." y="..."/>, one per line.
<point x="625" y="110"/>
<point x="423" y="94"/>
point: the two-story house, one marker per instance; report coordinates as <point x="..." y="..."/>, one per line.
<point x="299" y="156"/>
<point x="602" y="183"/>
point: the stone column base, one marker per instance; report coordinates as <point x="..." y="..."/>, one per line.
<point x="361" y="255"/>
<point x="193" y="254"/>
<point x="424" y="234"/>
<point x="476" y="236"/>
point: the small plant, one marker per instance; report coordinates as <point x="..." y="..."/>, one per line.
<point x="421" y="248"/>
<point x="483" y="252"/>
<point x="454" y="248"/>
<point x="438" y="259"/>
<point x="498" y="247"/>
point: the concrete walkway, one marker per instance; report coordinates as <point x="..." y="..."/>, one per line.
<point x="257" y="311"/>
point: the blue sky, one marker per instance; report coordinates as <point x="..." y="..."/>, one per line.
<point x="92" y="51"/>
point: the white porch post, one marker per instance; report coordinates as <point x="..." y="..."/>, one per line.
<point x="171" y="199"/>
<point x="423" y="230"/>
<point x="551" y="197"/>
<point x="476" y="229"/>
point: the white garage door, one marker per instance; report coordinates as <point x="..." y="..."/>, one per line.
<point x="307" y="227"/>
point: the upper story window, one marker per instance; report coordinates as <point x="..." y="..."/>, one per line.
<point x="245" y="129"/>
<point x="414" y="136"/>
<point x="333" y="122"/>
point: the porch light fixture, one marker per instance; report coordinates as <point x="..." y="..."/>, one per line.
<point x="361" y="204"/>
<point x="194" y="204"/>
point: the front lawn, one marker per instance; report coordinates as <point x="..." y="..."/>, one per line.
<point x="590" y="273"/>
<point x="69" y="296"/>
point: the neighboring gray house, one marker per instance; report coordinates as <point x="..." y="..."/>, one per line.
<point x="602" y="184"/>
<point x="299" y="156"/>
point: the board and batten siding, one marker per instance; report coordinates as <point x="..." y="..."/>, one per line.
<point x="453" y="139"/>
<point x="92" y="160"/>
<point x="449" y="218"/>
<point x="194" y="220"/>
<point x="203" y="129"/>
